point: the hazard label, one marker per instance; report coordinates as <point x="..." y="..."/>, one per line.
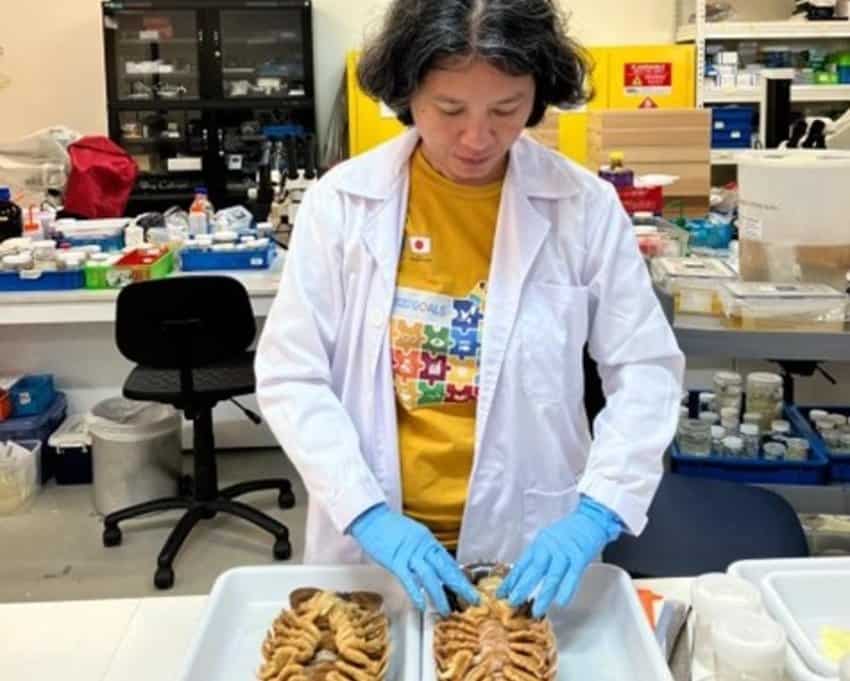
<point x="648" y="78"/>
<point x="648" y="103"/>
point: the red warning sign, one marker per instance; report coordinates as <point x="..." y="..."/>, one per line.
<point x="648" y="103"/>
<point x="648" y="78"/>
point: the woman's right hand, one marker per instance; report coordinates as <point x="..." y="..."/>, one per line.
<point x="409" y="550"/>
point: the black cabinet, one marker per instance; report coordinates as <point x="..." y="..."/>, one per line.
<point x="195" y="88"/>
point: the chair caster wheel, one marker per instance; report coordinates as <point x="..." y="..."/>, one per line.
<point x="286" y="499"/>
<point x="164" y="578"/>
<point x="111" y="536"/>
<point x="282" y="549"/>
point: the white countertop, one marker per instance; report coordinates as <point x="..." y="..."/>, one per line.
<point x="126" y="639"/>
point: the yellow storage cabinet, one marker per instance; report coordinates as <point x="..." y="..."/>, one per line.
<point x="370" y="123"/>
<point x="624" y="78"/>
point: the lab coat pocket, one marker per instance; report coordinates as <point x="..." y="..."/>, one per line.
<point x="553" y="331"/>
<point x="544" y="508"/>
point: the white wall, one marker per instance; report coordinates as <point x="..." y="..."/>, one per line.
<point x="53" y="52"/>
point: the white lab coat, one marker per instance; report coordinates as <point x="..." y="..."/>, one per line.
<point x="565" y="270"/>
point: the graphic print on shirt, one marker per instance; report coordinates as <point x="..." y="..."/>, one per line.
<point x="436" y="346"/>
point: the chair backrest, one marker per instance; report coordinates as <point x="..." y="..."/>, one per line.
<point x="184" y="322"/>
<point x="698" y="526"/>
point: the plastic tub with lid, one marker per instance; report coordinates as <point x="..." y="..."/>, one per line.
<point x="694" y="283"/>
<point x="136" y="452"/>
<point x="794" y="307"/>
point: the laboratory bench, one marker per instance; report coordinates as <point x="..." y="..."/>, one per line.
<point x="124" y="639"/>
<point x="71" y="334"/>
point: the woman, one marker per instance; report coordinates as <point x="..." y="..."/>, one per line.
<point x="422" y="363"/>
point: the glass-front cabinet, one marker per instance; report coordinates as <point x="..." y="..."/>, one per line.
<point x="262" y="55"/>
<point x="198" y="88"/>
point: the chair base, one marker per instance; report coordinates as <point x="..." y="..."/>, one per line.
<point x="197" y="510"/>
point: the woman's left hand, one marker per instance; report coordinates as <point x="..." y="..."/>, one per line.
<point x="558" y="557"/>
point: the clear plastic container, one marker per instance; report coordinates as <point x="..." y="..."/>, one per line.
<point x="818" y="414"/>
<point x="693" y="282"/>
<point x="775" y="451"/>
<point x="764" y="396"/>
<point x="748" y="646"/>
<point x="798" y="449"/>
<point x="728" y="390"/>
<point x="713" y="596"/>
<point x="717" y="435"/>
<point x="710" y="418"/>
<point x="751" y="436"/>
<point x="695" y="437"/>
<point x="797" y="307"/>
<point x="780" y="430"/>
<point x="753" y="418"/>
<point x="733" y="447"/>
<point x="706" y="402"/>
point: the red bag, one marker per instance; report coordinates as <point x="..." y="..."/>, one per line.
<point x="102" y="177"/>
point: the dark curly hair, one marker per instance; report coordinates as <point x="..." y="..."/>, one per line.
<point x="519" y="37"/>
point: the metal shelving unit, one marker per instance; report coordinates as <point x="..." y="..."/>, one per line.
<point x="702" y="32"/>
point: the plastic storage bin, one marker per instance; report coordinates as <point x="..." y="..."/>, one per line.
<point x="694" y="283"/>
<point x="42" y="280"/>
<point x="32" y="395"/>
<point x="814" y="471"/>
<point x="39" y="428"/>
<point x="198" y="260"/>
<point x="108" y="234"/>
<point x="732" y="127"/>
<point x="796" y="307"/>
<point x="72" y="444"/>
<point x="18" y="476"/>
<point x="839" y="464"/>
<point x="805" y="607"/>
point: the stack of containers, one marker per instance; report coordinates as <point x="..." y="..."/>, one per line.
<point x="37" y="410"/>
<point x="718" y="438"/>
<point x="829" y="428"/>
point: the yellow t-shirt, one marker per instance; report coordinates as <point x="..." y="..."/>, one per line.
<point x="437" y="327"/>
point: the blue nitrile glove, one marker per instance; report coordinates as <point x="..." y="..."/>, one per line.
<point x="559" y="555"/>
<point x="409" y="550"/>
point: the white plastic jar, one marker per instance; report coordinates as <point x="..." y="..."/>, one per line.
<point x="748" y="647"/>
<point x="714" y="595"/>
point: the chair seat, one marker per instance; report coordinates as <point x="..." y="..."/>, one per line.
<point x="212" y="383"/>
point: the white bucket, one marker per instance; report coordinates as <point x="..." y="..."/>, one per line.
<point x="136" y="453"/>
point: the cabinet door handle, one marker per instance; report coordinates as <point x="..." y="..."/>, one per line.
<point x="220" y="134"/>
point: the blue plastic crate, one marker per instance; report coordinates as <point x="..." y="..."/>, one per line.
<point x="39" y="428"/>
<point x="814" y="471"/>
<point x="196" y="260"/>
<point x="42" y="281"/>
<point x="732" y="127"/>
<point x="839" y="464"/>
<point x="32" y="395"/>
<point x="732" y="139"/>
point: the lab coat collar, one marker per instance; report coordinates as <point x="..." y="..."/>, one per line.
<point x="384" y="170"/>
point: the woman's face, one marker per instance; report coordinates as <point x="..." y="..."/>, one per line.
<point x="469" y="113"/>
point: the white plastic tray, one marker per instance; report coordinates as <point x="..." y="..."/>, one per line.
<point x="755" y="571"/>
<point x="602" y="636"/>
<point x="245" y="601"/>
<point x="804" y="605"/>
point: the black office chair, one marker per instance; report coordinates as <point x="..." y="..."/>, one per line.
<point x="190" y="337"/>
<point x="698" y="525"/>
